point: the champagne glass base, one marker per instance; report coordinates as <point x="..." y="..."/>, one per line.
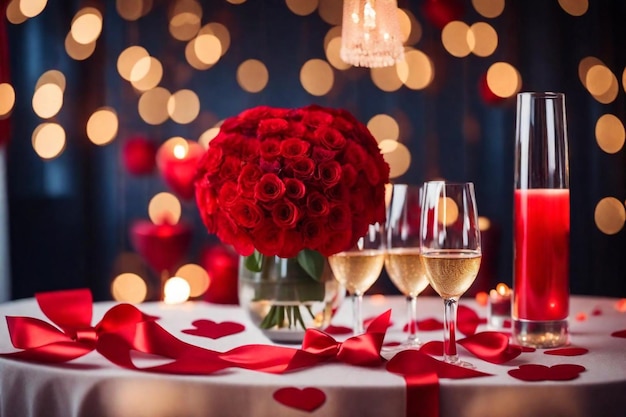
<point x="389" y="352"/>
<point x="540" y="334"/>
<point x="454" y="360"/>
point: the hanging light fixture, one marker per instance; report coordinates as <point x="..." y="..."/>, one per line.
<point x="370" y="34"/>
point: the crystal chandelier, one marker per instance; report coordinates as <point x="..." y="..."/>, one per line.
<point x="370" y="34"/>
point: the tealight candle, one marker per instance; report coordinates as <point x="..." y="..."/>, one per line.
<point x="499" y="305"/>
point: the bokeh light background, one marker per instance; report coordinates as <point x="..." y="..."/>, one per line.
<point x="89" y="76"/>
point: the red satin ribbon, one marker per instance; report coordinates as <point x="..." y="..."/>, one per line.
<point x="71" y="311"/>
<point x="318" y="347"/>
<point x="124" y="329"/>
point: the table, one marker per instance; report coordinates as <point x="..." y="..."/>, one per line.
<point x="93" y="387"/>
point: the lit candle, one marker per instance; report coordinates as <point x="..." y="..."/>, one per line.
<point x="499" y="305"/>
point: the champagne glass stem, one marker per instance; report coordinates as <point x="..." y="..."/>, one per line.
<point x="411" y="302"/>
<point x="357" y="314"/>
<point x="449" y="330"/>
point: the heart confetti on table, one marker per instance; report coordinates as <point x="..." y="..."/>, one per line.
<point x="569" y="351"/>
<point x="534" y="372"/>
<point x="429" y="324"/>
<point x="213" y="330"/>
<point x="369" y="320"/>
<point x="338" y="330"/>
<point x="619" y="333"/>
<point x="306" y="399"/>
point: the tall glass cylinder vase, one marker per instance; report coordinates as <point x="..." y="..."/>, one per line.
<point x="541" y="222"/>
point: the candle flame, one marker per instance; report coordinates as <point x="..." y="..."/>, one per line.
<point x="179" y="151"/>
<point x="482" y="298"/>
<point x="176" y="290"/>
<point x="503" y="289"/>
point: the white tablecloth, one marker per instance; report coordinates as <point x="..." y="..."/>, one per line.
<point x="93" y="387"/>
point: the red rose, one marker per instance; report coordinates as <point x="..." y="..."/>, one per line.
<point x="348" y="175"/>
<point x="270" y="166"/>
<point x="340" y="217"/>
<point x="317" y="204"/>
<point x="329" y="173"/>
<point x="269" y="188"/>
<point x="313" y="232"/>
<point x="280" y="181"/>
<point x="372" y="174"/>
<point x="355" y="155"/>
<point x="248" y="179"/>
<point x="316" y="117"/>
<point x="293" y="243"/>
<point x="207" y="203"/>
<point x="270" y="149"/>
<point x="321" y="154"/>
<point x="228" y="193"/>
<point x="294" y="188"/>
<point x="250" y="150"/>
<point x="272" y="127"/>
<point x="212" y="159"/>
<point x="245" y="213"/>
<point x="268" y="238"/>
<point x="301" y="168"/>
<point x="338" y="194"/>
<point x="228" y="232"/>
<point x="293" y="147"/>
<point x="230" y="169"/>
<point x="285" y="214"/>
<point x="331" y="138"/>
<point x="337" y="242"/>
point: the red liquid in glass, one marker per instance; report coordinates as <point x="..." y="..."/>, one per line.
<point x="541" y="281"/>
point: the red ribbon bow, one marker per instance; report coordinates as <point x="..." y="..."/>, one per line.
<point x="318" y="347"/>
<point x="71" y="311"/>
<point x="361" y="350"/>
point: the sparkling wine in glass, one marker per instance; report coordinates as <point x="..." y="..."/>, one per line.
<point x="403" y="261"/>
<point x="358" y="268"/>
<point x="451" y="252"/>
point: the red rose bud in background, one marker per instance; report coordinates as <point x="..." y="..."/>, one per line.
<point x="442" y="12"/>
<point x="177" y="160"/>
<point x="488" y="96"/>
<point x="162" y="246"/>
<point x="139" y="155"/>
<point x="222" y="264"/>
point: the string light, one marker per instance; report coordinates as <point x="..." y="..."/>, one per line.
<point x="371" y="33"/>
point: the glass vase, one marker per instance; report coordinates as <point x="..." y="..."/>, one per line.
<point x="541" y="222"/>
<point x="283" y="300"/>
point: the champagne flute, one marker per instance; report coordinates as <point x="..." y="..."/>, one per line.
<point x="403" y="263"/>
<point x="358" y="268"/>
<point x="451" y="252"/>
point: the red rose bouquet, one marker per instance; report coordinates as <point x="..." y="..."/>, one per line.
<point x="294" y="183"/>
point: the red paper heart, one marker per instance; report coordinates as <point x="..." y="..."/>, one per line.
<point x="138" y="155"/>
<point x="162" y="246"/>
<point x="177" y="160"/>
<point x="306" y="399"/>
<point x="533" y="372"/>
<point x="213" y="330"/>
<point x="336" y="330"/>
<point x="571" y="351"/>
<point x="429" y="324"/>
<point x="369" y="320"/>
<point x="619" y="333"/>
